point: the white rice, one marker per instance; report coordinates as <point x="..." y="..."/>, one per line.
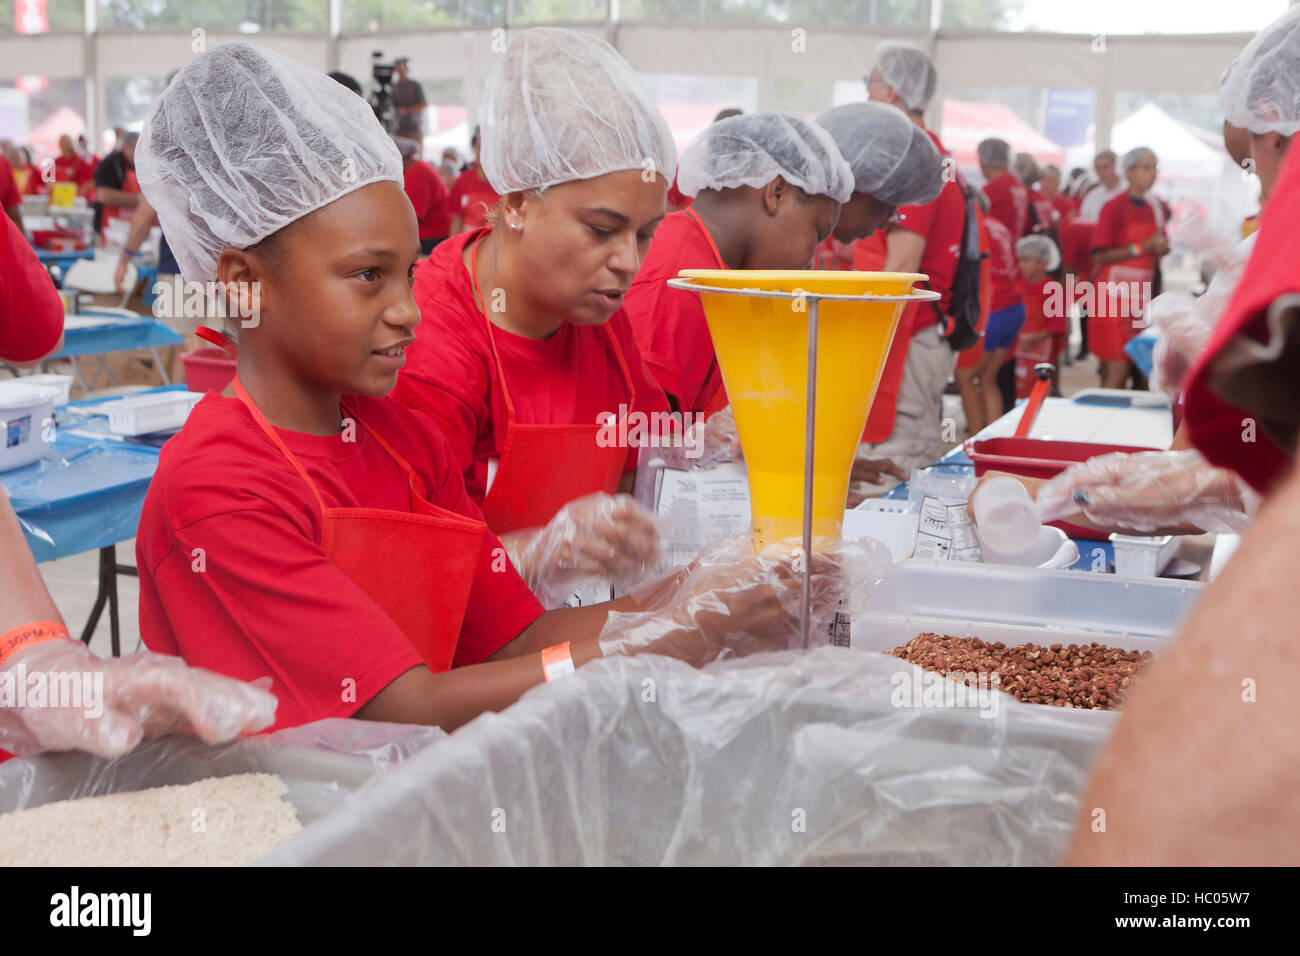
<point x="220" y="821"/>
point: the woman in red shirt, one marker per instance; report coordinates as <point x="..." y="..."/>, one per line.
<point x="1127" y="244"/>
<point x="428" y="195"/>
<point x="527" y="361"/>
<point x="1043" y="335"/>
<point x="308" y="528"/>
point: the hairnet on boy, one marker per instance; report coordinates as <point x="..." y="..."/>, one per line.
<point x="561" y="106"/>
<point x="1040" y="247"/>
<point x="892" y="159"/>
<point x="753" y="149"/>
<point x="244" y="141"/>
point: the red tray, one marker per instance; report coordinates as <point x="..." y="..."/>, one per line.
<point x="1039" y="458"/>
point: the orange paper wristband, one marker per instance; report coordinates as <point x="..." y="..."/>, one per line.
<point x="557" y="661"/>
<point x="11" y="642"/>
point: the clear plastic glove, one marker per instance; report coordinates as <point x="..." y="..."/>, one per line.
<point x="597" y="537"/>
<point x="732" y="601"/>
<point x="717" y="437"/>
<point x="122" y="701"/>
<point x="1149" y="491"/>
<point x="1194" y="234"/>
<point x="1185" y="324"/>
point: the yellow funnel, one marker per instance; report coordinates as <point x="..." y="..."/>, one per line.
<point x="762" y="348"/>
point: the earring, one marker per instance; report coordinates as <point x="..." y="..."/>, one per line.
<point x="514" y="225"/>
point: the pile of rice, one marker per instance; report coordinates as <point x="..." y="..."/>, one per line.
<point x="220" y="821"/>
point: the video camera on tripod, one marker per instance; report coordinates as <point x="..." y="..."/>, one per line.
<point x="381" y="100"/>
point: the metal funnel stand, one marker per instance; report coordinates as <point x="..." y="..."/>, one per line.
<point x="812" y="300"/>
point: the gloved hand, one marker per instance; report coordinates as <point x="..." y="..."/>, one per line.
<point x="1148" y="491"/>
<point x="599" y="536"/>
<point x="718" y="438"/>
<point x="1185" y="324"/>
<point x="732" y="601"/>
<point x="143" y="695"/>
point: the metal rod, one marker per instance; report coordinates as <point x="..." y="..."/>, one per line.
<point x="809" y="444"/>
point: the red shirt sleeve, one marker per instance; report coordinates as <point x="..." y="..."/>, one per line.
<point x="31" y="313"/>
<point x="918" y="219"/>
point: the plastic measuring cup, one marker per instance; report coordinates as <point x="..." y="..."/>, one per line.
<point x="1008" y="519"/>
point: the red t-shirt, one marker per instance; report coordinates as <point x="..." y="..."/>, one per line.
<point x="570" y="378"/>
<point x="1036" y="318"/>
<point x="473" y="198"/>
<point x="940" y="223"/>
<point x="1065" y="207"/>
<point x="1044" y="211"/>
<point x="268" y="601"/>
<point x="1117" y="215"/>
<point x="1009" y="203"/>
<point x="31" y="313"/>
<point x="428" y="194"/>
<point x="9" y="192"/>
<point x="669" y="324"/>
<point x="74" y="170"/>
<point x="1004" y="270"/>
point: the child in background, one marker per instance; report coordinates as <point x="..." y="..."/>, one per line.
<point x="1043" y="336"/>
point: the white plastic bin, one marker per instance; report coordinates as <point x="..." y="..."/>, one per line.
<point x="144" y="414"/>
<point x="1036" y="597"/>
<point x="25" y="411"/>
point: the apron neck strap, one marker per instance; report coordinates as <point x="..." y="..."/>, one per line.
<point x="610" y="338"/>
<point x="414" y="482"/>
<point x="690" y="211"/>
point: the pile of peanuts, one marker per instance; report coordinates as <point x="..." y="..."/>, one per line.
<point x="1089" y="676"/>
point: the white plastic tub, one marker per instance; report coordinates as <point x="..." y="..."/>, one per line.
<point x="1038" y="598"/>
<point x="1143" y="557"/>
<point x="62" y="382"/>
<point x="25" y="413"/>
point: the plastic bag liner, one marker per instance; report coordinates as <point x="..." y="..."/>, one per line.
<point x="791" y="758"/>
<point x="324" y="764"/>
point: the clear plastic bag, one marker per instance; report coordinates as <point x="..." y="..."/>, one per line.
<point x="791" y="758"/>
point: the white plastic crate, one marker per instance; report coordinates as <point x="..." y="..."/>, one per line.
<point x="144" y="414"/>
<point x="62" y="382"/>
<point x="1073" y="601"/>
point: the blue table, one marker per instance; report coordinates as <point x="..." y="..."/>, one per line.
<point x="85" y="493"/>
<point x="63" y="257"/>
<point x="144" y="332"/>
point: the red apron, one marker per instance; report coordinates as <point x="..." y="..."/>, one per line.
<point x="417" y="565"/>
<point x="1232" y="431"/>
<point x="1130" y="280"/>
<point x="545" y="466"/>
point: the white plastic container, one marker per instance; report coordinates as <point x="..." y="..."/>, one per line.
<point x="25" y="412"/>
<point x="1143" y="557"/>
<point x="1006" y="516"/>
<point x="143" y="414"/>
<point x="62" y="382"/>
<point x="1074" y="601"/>
<point x="1051" y="549"/>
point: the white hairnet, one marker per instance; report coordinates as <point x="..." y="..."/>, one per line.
<point x="907" y="68"/>
<point x="893" y="160"/>
<point x="244" y="141"/>
<point x="994" y="152"/>
<point x="1040" y="247"/>
<point x="562" y="105"/>
<point x="753" y="149"/>
<point x="1136" y="155"/>
<point x="1260" y="90"/>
